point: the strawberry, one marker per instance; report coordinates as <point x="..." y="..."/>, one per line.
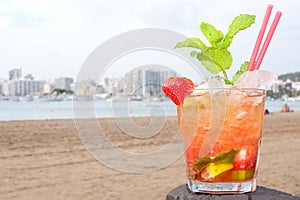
<point x="245" y="158"/>
<point x="176" y="88"/>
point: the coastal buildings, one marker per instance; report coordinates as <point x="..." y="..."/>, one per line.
<point x="141" y="83"/>
<point x="4" y="84"/>
<point x="286" y="90"/>
<point x="18" y="85"/>
<point x="111" y="85"/>
<point x="146" y="81"/>
<point x="15" y="74"/>
<point x="63" y="83"/>
<point x="24" y="86"/>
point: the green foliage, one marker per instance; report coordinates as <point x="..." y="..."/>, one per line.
<point x="217" y="58"/>
<point x="239" y="23"/>
<point x="192" y="42"/>
<point x="61" y="91"/>
<point x="243" y="68"/>
<point x="292" y="76"/>
<point x="212" y="35"/>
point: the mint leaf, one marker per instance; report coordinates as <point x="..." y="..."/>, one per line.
<point x="239" y="23"/>
<point x="212" y="35"/>
<point x="208" y="63"/>
<point x="221" y="57"/>
<point x="192" y="42"/>
<point x="225" y="158"/>
<point x="214" y="59"/>
<point x="202" y="163"/>
<point x="243" y="68"/>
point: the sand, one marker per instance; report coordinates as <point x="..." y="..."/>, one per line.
<point x="46" y="160"/>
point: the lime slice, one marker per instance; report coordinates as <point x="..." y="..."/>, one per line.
<point x="213" y="170"/>
<point x="240" y="175"/>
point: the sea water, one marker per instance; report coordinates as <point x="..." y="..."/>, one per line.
<point x="41" y="110"/>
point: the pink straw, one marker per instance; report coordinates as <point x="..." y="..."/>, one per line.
<point x="268" y="40"/>
<point x="251" y="65"/>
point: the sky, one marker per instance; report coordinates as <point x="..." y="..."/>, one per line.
<point x="53" y="38"/>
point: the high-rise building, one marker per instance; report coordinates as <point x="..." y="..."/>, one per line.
<point x="147" y="80"/>
<point x="276" y="85"/>
<point x="4" y="87"/>
<point x="15" y="74"/>
<point x="63" y="83"/>
<point x="23" y="87"/>
<point x="110" y="85"/>
<point x="20" y="86"/>
<point x="1" y="89"/>
<point x="47" y="88"/>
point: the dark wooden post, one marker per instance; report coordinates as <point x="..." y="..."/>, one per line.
<point x="262" y="193"/>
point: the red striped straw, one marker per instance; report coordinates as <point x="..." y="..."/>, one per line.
<point x="254" y="65"/>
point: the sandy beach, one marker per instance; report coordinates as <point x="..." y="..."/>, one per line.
<point x="46" y="160"/>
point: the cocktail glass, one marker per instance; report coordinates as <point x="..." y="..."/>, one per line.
<point x="222" y="130"/>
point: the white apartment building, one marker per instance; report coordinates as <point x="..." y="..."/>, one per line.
<point x="276" y="85"/>
<point x="63" y="83"/>
<point x="23" y="87"/>
<point x="4" y="87"/>
<point x="15" y="74"/>
<point x="296" y="86"/>
<point x="111" y="85"/>
<point x="147" y="80"/>
<point x="47" y="88"/>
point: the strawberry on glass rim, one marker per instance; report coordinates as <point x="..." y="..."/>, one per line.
<point x="176" y="88"/>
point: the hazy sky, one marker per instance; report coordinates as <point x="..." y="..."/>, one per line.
<point x="52" y="38"/>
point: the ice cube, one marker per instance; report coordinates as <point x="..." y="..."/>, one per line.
<point x="254" y="93"/>
<point x="241" y="115"/>
<point x="257" y="100"/>
<point x="200" y="89"/>
<point x="212" y="86"/>
<point x="260" y="79"/>
<point x="206" y="128"/>
<point x="215" y="83"/>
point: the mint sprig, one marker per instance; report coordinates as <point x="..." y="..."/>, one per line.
<point x="217" y="58"/>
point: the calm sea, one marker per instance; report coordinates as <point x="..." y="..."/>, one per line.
<point x="40" y="110"/>
<point x="35" y="110"/>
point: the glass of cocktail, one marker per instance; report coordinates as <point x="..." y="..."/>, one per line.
<point x="222" y="126"/>
<point x="221" y="130"/>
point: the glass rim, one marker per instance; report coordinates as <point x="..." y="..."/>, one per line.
<point x="230" y="88"/>
<point x="225" y="89"/>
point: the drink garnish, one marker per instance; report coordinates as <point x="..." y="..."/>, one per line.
<point x="176" y="88"/>
<point x="222" y="158"/>
<point x="245" y="158"/>
<point x="217" y="58"/>
<point x="241" y="175"/>
<point x="213" y="170"/>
